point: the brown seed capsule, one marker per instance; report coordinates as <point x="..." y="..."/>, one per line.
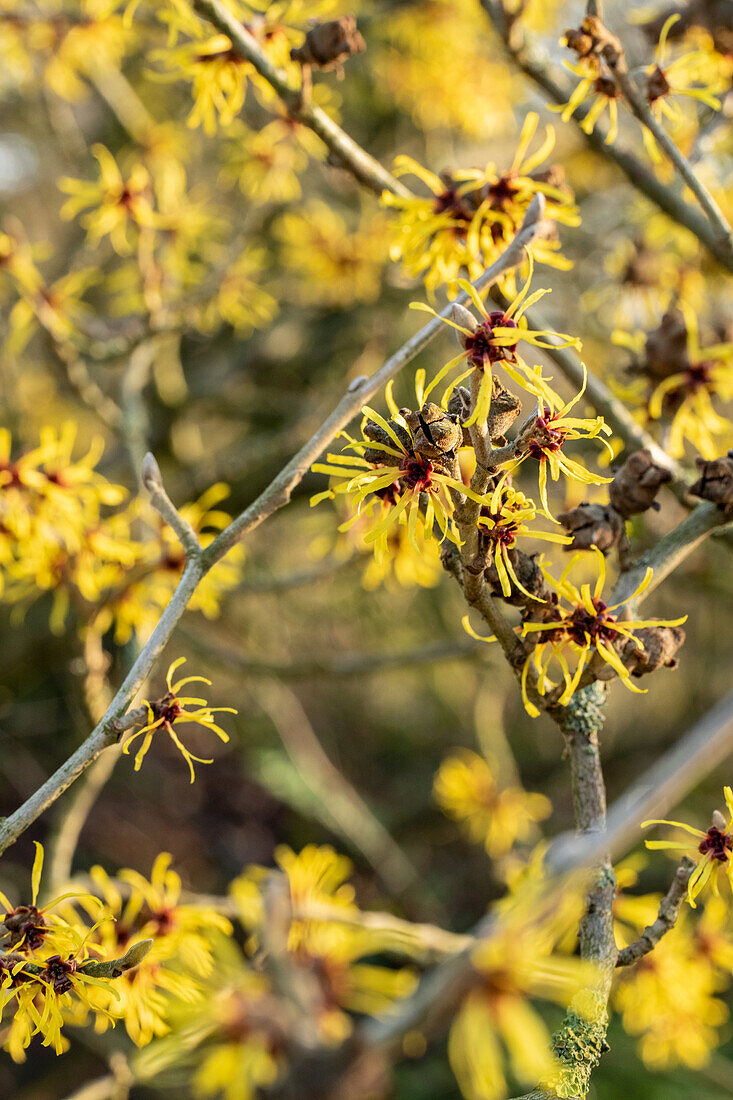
<point x="505" y="408"/>
<point x="660" y="646"/>
<point x="715" y="482"/>
<point x="593" y="39"/>
<point x="378" y="435"/>
<point x="528" y="574"/>
<point x="328" y="45"/>
<point x="665" y="352"/>
<point x="637" y="483"/>
<point x="434" y="431"/>
<point x="593" y="525"/>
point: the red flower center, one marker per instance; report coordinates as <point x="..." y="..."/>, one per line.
<point x="502" y="191"/>
<point x="598" y="626"/>
<point x="716" y="844"/>
<point x="416" y="473"/>
<point x="480" y="345"/>
<point x="26" y="926"/>
<point x="551" y="439"/>
<point x="57" y="972"/>
<point x="450" y="202"/>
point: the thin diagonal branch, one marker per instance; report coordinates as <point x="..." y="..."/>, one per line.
<point x="669" y="911"/>
<point x="153" y="482"/>
<point x="642" y="178"/>
<point x="362" y="166"/>
<point x="638" y="104"/>
<point x="199" y="562"/>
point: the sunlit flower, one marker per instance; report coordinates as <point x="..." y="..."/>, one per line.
<point x="33" y="929"/>
<point x="669" y="998"/>
<point x="325" y="939"/>
<point x="585" y="629"/>
<point x="714" y="846"/>
<point x="502" y="521"/>
<point x="165" y="713"/>
<point x="57" y="308"/>
<point x="552" y="429"/>
<point x="329" y="263"/>
<point x="600" y="86"/>
<point x="472" y="215"/>
<point x="177" y="964"/>
<point x="267" y="163"/>
<point x="466" y="789"/>
<point x="240" y="300"/>
<point x="681" y="383"/>
<point x="494" y="341"/>
<point x="138" y="597"/>
<point x="393" y="482"/>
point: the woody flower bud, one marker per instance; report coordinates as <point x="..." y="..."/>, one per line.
<point x="665" y="352"/>
<point x="434" y="432"/>
<point x="660" y="646"/>
<point x="529" y="575"/>
<point x="328" y="45"/>
<point x="715" y="482"/>
<point x="593" y="525"/>
<point x="637" y="483"/>
<point x="593" y="39"/>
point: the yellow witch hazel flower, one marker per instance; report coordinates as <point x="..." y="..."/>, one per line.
<point x="135" y="603"/>
<point x="496" y="1027"/>
<point x="501" y="522"/>
<point x="551" y="430"/>
<point x="388" y="477"/>
<point x="670" y="997"/>
<point x="117" y="203"/>
<point x="694" y="75"/>
<point x="684" y="399"/>
<point x="601" y="86"/>
<point x="466" y="789"/>
<point x="494" y="340"/>
<point x="586" y="630"/>
<point x="181" y="955"/>
<point x="714" y="846"/>
<point x="30" y="929"/>
<point x="171" y="709"/>
<point x="472" y="215"/>
<point x="329" y="263"/>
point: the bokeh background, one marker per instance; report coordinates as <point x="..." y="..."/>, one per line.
<point x="315" y="654"/>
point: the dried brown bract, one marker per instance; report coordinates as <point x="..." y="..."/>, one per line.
<point x="528" y="573"/>
<point x="434" y="432"/>
<point x="593" y="39"/>
<point x="715" y="482"/>
<point x="593" y="525"/>
<point x="636" y="484"/>
<point x="328" y="45"/>
<point x="665" y="352"/>
<point x="660" y="647"/>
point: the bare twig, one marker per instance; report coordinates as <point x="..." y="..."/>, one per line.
<point x="638" y="104"/>
<point x="338" y="664"/>
<point x="153" y="482"/>
<point x="669" y="911"/>
<point x="354" y="817"/>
